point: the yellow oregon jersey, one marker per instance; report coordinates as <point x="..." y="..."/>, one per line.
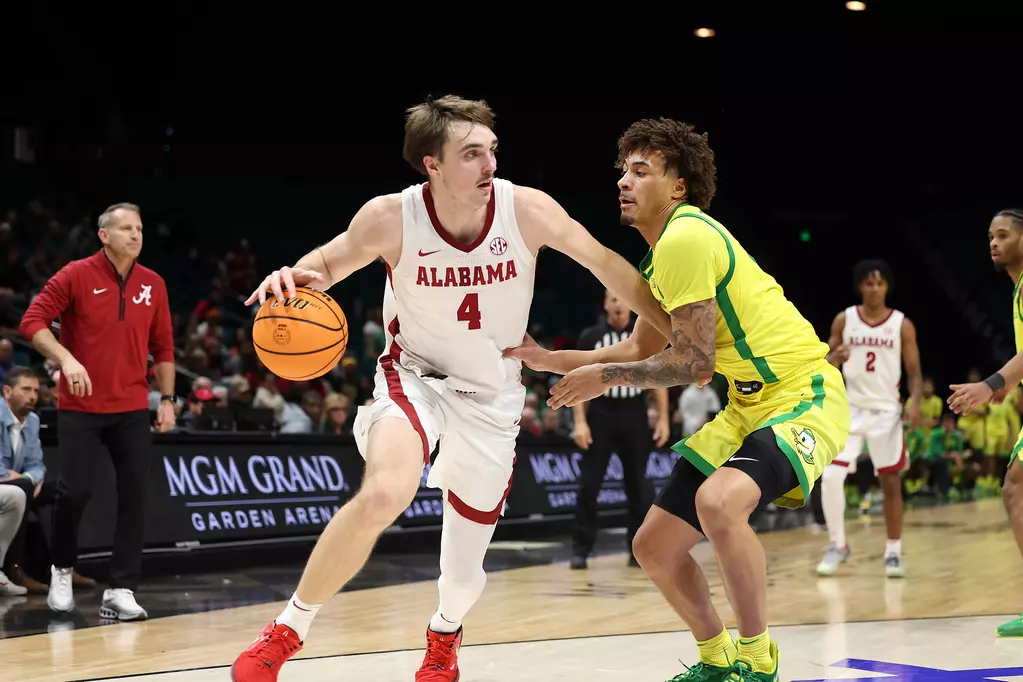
<point x="931" y="410"/>
<point x="760" y="334"/>
<point x="1017" y="317"/>
<point x="778" y="376"/>
<point x="1017" y="328"/>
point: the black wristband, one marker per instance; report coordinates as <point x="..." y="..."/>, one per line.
<point x="995" y="381"/>
<point x="169" y="398"/>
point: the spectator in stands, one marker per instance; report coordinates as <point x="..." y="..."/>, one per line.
<point x="301" y="419"/>
<point x="6" y="357"/>
<point x="12" y="509"/>
<point x="200" y="396"/>
<point x="240" y="394"/>
<point x="21" y="460"/>
<point x="221" y="396"/>
<point x="529" y="426"/>
<point x="113" y="313"/>
<point x="336" y="410"/>
<point x="12" y="274"/>
<point x="269" y="397"/>
<point x="241" y="269"/>
<point x="552" y="429"/>
<point x="697" y="406"/>
<point x="39" y="269"/>
<point x="945" y="454"/>
<point x="242" y="358"/>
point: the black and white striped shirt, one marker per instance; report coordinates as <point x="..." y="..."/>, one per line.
<point x="601" y="336"/>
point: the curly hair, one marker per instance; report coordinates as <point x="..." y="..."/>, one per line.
<point x="685" y="152"/>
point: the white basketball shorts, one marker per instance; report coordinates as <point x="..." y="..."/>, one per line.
<point x="881" y="429"/>
<point x="476" y="433"/>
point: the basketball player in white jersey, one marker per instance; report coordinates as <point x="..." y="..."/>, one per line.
<point x="460" y="252"/>
<point x="870" y="343"/>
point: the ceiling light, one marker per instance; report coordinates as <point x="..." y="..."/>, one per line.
<point x="856" y="5"/>
<point x="704" y="33"/>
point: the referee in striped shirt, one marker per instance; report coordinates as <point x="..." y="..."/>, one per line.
<point x="614" y="422"/>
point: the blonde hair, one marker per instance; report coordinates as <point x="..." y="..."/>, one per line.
<point x="332" y="401"/>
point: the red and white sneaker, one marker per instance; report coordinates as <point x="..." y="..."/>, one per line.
<point x="441" y="661"/>
<point x="262" y="661"/>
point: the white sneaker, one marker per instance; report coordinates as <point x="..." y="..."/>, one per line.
<point x="120" y="604"/>
<point x="832" y="560"/>
<point x="10" y="589"/>
<point x="893" y="566"/>
<point x="61" y="597"/>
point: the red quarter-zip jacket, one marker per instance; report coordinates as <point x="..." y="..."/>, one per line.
<point x="109" y="325"/>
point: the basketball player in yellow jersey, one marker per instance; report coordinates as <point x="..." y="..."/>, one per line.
<point x="787" y="415"/>
<point x="1005" y="238"/>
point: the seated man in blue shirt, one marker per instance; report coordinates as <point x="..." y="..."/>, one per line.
<point x="21" y="464"/>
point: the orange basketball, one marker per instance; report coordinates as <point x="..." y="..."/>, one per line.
<point x="301" y="338"/>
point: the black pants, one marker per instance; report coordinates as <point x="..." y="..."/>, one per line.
<point x="759" y="457"/>
<point x="626" y="432"/>
<point x="128" y="439"/>
<point x="16" y="552"/>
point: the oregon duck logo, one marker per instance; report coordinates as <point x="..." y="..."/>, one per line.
<point x="805" y="443"/>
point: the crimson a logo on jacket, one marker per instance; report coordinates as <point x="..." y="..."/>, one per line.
<point x="109" y="324"/>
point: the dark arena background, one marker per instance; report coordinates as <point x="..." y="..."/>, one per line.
<point x="842" y="132"/>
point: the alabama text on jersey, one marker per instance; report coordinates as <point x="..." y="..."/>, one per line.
<point x="451" y="309"/>
<point x="873" y="372"/>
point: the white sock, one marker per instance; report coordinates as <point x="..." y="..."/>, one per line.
<point x="442" y="625"/>
<point x="463" y="544"/>
<point x="833" y="502"/>
<point x="893" y="548"/>
<point x="298" y="616"/>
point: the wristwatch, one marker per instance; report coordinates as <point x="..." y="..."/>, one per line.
<point x="173" y="400"/>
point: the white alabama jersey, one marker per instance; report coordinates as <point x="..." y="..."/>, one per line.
<point x="451" y="309"/>
<point x="873" y="372"/>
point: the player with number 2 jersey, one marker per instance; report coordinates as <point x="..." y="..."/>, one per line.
<point x="870" y="342"/>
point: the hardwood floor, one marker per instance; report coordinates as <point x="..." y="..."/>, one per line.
<point x="960" y="560"/>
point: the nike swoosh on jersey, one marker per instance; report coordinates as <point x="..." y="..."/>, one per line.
<point x="428" y="253"/>
<point x="98" y="291"/>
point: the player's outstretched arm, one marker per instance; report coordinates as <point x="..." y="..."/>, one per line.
<point x="688" y="266"/>
<point x="544" y="222"/>
<point x="967" y="397"/>
<point x="374" y="232"/>
<point x="689" y="360"/>
<point x="644" y="342"/>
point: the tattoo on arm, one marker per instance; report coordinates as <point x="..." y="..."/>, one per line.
<point x="689" y="359"/>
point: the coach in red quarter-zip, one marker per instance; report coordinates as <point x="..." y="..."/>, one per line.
<point x="113" y="314"/>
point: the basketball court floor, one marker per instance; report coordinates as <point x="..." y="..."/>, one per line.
<point x="545" y="622"/>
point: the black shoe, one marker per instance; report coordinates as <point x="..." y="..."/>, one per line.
<point x="577" y="563"/>
<point x="632" y="561"/>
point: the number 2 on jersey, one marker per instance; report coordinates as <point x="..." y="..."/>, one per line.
<point x="469" y="311"/>
<point x="871" y="357"/>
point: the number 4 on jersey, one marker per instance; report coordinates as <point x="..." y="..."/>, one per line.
<point x="469" y="311"/>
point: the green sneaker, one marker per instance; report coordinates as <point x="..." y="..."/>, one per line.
<point x="742" y="672"/>
<point x="1014" y="628"/>
<point x="702" y="673"/>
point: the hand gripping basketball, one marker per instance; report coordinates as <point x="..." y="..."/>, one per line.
<point x="301" y="337"/>
<point x="289" y="277"/>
